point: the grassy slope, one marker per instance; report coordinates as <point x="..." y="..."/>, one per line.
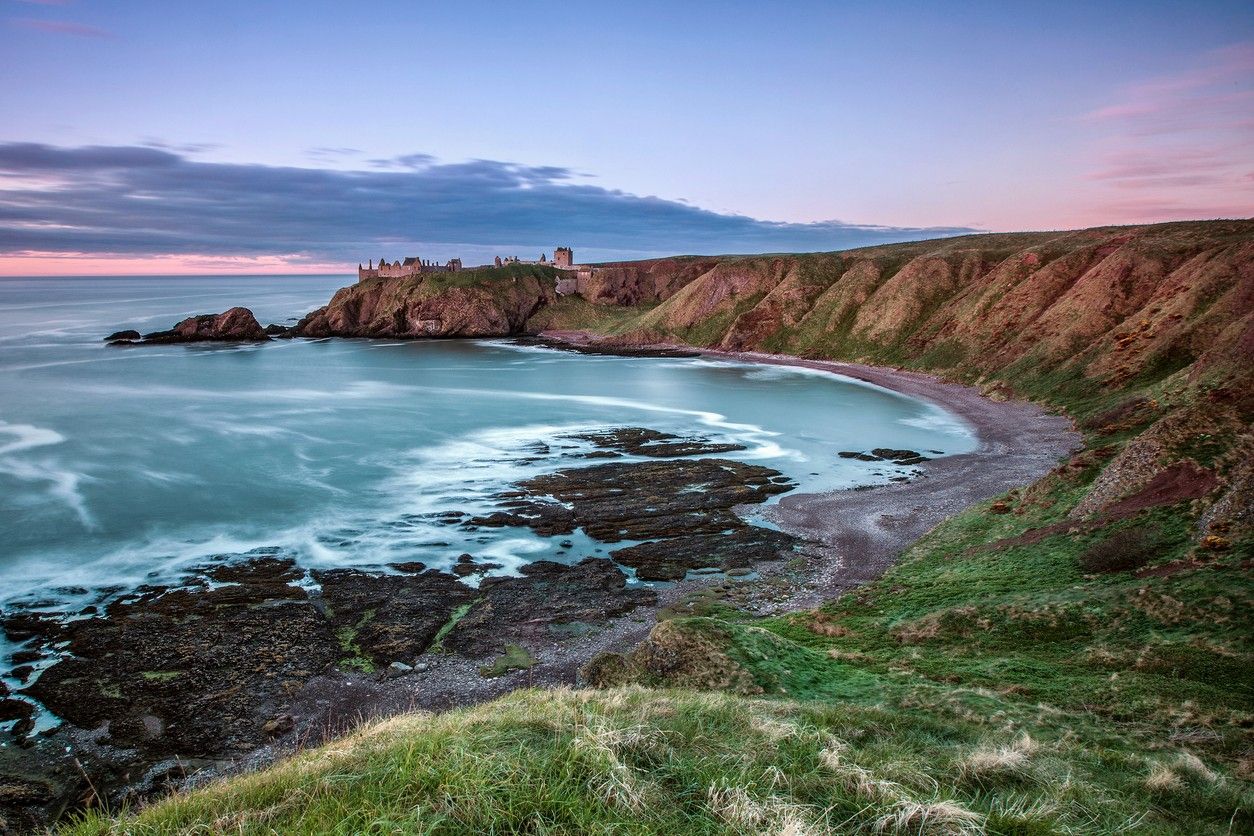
<point x="663" y="761"/>
<point x="903" y="707"/>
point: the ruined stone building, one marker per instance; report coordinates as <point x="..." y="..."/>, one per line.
<point x="412" y="266"/>
<point x="564" y="260"/>
<point x="567" y="281"/>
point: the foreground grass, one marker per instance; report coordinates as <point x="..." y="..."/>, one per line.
<point x="633" y="760"/>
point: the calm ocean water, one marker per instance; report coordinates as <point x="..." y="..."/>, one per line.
<point x="125" y="466"/>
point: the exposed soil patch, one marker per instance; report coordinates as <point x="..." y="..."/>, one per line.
<point x="1177" y="483"/>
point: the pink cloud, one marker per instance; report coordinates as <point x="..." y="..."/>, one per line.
<point x="1179" y="146"/>
<point x="94" y="264"/>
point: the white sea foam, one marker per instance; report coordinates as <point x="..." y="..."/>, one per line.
<point x="63" y="484"/>
<point x="938" y="421"/>
<point x="27" y="436"/>
<point x="750" y="434"/>
<point x="224" y="427"/>
<point x="164" y="478"/>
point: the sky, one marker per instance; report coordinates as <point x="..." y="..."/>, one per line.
<point x="139" y="136"/>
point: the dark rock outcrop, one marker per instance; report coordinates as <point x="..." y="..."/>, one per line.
<point x="683" y="509"/>
<point x="129" y="335"/>
<point x="234" y="325"/>
<point x="641" y="441"/>
<point x="645" y="500"/>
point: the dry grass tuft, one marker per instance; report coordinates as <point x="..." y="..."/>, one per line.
<point x="832" y="753"/>
<point x="864" y="784"/>
<point x="988" y="763"/>
<point x="615" y="782"/>
<point x="930" y="817"/>
<point x="1163" y="779"/>
<point x="1192" y="764"/>
<point x="771" y="815"/>
<point x="822" y="625"/>
<point x="775" y="730"/>
<point x="735" y="806"/>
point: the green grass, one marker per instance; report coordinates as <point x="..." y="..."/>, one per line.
<point x="576" y="313"/>
<point x="354" y="658"/>
<point x="515" y="658"/>
<point x="437" y="643"/>
<point x="632" y="760"/>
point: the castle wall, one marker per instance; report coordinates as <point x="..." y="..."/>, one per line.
<point x="400" y="270"/>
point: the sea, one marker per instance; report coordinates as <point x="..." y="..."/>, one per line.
<point x="128" y="466"/>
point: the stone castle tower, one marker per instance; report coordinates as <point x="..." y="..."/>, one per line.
<point x="563" y="257"/>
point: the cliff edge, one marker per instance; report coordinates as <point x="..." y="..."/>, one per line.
<point x="495" y="302"/>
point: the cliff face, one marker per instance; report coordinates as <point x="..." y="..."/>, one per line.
<point x="640" y="282"/>
<point x="1145" y="334"/>
<point x="470" y="303"/>
<point x="1113" y="304"/>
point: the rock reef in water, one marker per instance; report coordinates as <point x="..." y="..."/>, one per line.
<point x="234" y="325"/>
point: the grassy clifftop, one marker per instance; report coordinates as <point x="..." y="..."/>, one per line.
<point x="1074" y="656"/>
<point x="489" y="302"/>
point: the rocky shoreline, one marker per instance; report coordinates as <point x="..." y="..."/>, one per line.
<point x="252" y="656"/>
<point x="248" y="659"/>
<point x="1019" y="442"/>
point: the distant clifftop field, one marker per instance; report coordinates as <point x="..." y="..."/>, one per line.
<point x="1072" y="656"/>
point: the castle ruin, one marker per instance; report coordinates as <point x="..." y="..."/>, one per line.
<point x="563" y="259"/>
<point x="408" y="268"/>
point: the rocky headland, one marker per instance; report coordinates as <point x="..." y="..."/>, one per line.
<point x="470" y="303"/>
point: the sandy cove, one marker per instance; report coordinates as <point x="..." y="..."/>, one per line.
<point x="862" y="532"/>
